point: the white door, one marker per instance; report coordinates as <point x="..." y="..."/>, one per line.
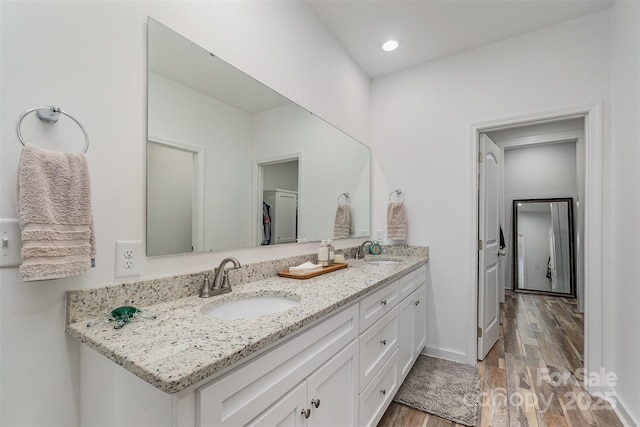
<point x="333" y="392"/>
<point x="289" y="411"/>
<point x="488" y="246"/>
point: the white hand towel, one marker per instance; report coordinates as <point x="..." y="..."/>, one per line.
<point x="342" y="224"/>
<point x="397" y="228"/>
<point x="54" y="212"/>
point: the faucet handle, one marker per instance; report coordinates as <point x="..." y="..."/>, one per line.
<point x="225" y="278"/>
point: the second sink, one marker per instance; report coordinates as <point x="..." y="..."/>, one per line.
<point x="383" y="261"/>
<point x="251" y="307"/>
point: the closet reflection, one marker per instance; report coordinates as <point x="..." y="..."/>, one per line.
<point x="543" y="246"/>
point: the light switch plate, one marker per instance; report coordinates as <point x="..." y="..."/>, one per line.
<point x="10" y="243"/>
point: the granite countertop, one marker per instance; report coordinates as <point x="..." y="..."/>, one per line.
<point x="175" y="346"/>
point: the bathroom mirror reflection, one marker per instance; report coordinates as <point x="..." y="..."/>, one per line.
<point x="543" y="246"/>
<point x="226" y="154"/>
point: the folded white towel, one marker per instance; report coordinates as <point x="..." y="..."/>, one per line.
<point x="54" y="211"/>
<point x="342" y="224"/>
<point x="397" y="228"/>
<point x="307" y="267"/>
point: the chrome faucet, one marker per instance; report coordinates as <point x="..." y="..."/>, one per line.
<point x="221" y="283"/>
<point x="360" y="251"/>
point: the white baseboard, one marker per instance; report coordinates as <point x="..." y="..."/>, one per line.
<point x="626" y="418"/>
<point x="454" y="356"/>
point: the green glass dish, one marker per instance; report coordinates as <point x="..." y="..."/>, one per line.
<point x="122" y="315"/>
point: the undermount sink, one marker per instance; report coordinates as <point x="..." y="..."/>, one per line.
<point x="383" y="261"/>
<point x="250" y="307"/>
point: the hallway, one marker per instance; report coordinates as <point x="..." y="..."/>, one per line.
<point x="532" y="376"/>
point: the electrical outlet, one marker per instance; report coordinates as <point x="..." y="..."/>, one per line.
<point x="379" y="235"/>
<point x="128" y="262"/>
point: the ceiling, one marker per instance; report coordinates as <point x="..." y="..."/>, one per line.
<point x="433" y="29"/>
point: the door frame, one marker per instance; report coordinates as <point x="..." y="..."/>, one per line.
<point x="257" y="189"/>
<point x="592" y="253"/>
<point x="197" y="232"/>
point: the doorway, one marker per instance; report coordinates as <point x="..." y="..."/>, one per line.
<point x="278" y="200"/>
<point x="591" y="242"/>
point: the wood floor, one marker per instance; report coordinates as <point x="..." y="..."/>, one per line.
<point x="532" y="376"/>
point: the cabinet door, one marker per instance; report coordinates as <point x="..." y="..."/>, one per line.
<point x="419" y="301"/>
<point x="412" y="337"/>
<point x="286" y="412"/>
<point x="332" y="390"/>
<point x="405" y="336"/>
<point x="285" y="217"/>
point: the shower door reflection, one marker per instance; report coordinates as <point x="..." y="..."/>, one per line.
<point x="543" y="246"/>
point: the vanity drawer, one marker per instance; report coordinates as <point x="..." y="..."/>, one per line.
<point x="376" y="305"/>
<point x="411" y="281"/>
<point x="377" y="397"/>
<point x="377" y="345"/>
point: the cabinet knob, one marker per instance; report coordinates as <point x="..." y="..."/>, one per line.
<point x="306" y="412"/>
<point x="383" y="391"/>
<point x="315" y="402"/>
<point x="383" y="342"/>
<point x="383" y="302"/>
<point x="417" y="302"/>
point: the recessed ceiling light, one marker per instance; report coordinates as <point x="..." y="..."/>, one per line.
<point x="390" y="45"/>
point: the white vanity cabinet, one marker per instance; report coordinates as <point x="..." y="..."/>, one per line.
<point x="321" y="364"/>
<point x="413" y="318"/>
<point x="343" y="370"/>
<point x="326" y="398"/>
<point x="393" y="334"/>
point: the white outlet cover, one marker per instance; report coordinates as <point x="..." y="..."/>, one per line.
<point x="128" y="266"/>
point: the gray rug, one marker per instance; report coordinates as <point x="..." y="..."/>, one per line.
<point x="447" y="389"/>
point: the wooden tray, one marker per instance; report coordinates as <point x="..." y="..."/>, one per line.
<point x="325" y="270"/>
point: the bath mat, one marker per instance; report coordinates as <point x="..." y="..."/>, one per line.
<point x="440" y="387"/>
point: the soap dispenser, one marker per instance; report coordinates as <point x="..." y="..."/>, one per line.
<point x="331" y="250"/>
<point x="323" y="254"/>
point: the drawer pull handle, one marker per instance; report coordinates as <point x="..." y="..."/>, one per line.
<point x="383" y="302"/>
<point x="383" y="342"/>
<point x="306" y="412"/>
<point x="383" y="391"/>
<point x="315" y="402"/>
<point x="417" y="302"/>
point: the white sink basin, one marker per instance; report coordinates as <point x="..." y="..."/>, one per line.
<point x="250" y="307"/>
<point x="383" y="261"/>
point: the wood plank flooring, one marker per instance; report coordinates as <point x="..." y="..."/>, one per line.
<point x="528" y="379"/>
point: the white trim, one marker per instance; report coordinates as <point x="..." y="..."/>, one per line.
<point x="257" y="189"/>
<point x="198" y="177"/>
<point x="454" y="356"/>
<point x="593" y="352"/>
<point x="621" y="412"/>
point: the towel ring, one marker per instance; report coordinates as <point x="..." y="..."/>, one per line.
<point x="50" y="114"/>
<point x="347" y="197"/>
<point x="398" y="193"/>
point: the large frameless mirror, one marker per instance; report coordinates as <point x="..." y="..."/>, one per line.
<point x="543" y="246"/>
<point x="233" y="164"/>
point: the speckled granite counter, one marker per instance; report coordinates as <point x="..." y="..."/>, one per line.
<point x="180" y="346"/>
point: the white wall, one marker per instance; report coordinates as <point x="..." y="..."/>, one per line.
<point x="331" y="164"/>
<point x="622" y="336"/>
<point x="422" y="142"/>
<point x="181" y="115"/>
<point x="90" y="58"/>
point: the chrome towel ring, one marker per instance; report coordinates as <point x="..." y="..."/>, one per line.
<point x="50" y="114"/>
